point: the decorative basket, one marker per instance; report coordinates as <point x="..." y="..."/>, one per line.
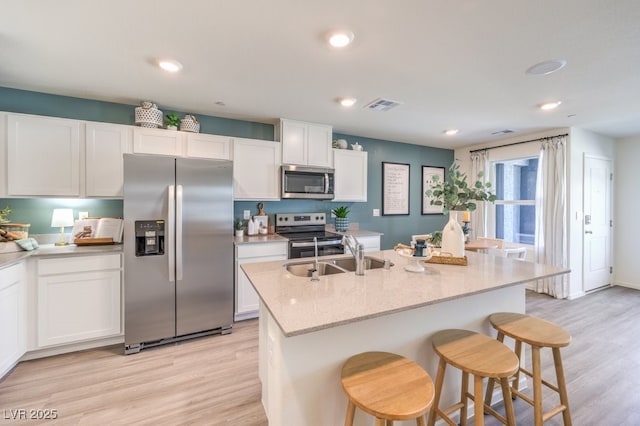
<point x="190" y="124"/>
<point x="148" y="115"/>
<point x="14" y="231"/>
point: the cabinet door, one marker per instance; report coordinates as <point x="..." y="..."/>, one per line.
<point x="43" y="156"/>
<point x="11" y="316"/>
<point x="256" y="169"/>
<point x="208" y="146"/>
<point x="319" y="145"/>
<point x="350" y="175"/>
<point x="157" y="141"/>
<point x="74" y="307"/>
<point x="371" y="243"/>
<point x="293" y="136"/>
<point x="104" y="145"/>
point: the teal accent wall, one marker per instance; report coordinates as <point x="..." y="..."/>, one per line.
<point x="26" y="102"/>
<point x="38" y="211"/>
<point x="396" y="229"/>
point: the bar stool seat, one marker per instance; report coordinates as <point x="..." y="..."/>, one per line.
<point x="537" y="333"/>
<point x="387" y="386"/>
<point x="482" y="356"/>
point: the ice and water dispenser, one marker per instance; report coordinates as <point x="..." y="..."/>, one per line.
<point x="149" y="237"/>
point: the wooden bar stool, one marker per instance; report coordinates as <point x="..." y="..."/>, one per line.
<point x="387" y="386"/>
<point x="538" y="333"/>
<point x="476" y="354"/>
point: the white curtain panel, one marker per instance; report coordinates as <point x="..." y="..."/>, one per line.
<point x="551" y="223"/>
<point x="479" y="163"/>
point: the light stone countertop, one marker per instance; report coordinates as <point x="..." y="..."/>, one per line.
<point x="301" y="306"/>
<point x="256" y="239"/>
<point x="46" y="250"/>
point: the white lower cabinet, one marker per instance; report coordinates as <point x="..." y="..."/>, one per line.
<point x="79" y="298"/>
<point x="247" y="301"/>
<point x="12" y="316"/>
<point x="371" y="243"/>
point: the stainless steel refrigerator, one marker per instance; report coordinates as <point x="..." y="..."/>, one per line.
<point x="178" y="267"/>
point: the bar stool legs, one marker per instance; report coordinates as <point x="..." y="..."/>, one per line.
<point x="538" y="334"/>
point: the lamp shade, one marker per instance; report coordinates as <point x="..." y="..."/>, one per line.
<point x="62" y="217"/>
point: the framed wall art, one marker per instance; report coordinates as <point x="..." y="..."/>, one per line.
<point x="395" y="189"/>
<point x="428" y="172"/>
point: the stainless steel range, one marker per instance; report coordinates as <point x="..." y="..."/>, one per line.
<point x="301" y="228"/>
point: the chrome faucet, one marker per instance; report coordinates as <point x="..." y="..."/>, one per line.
<point x="357" y="250"/>
<point x="314" y="271"/>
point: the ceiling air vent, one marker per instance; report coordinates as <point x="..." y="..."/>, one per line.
<point x="382" y="104"/>
<point x="502" y="132"/>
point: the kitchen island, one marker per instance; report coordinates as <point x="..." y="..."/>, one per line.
<point x="308" y="329"/>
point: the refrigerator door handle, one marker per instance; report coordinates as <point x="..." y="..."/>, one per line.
<point x="179" y="233"/>
<point x="171" y="202"/>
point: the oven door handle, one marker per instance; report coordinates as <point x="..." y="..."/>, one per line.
<point x="295" y="244"/>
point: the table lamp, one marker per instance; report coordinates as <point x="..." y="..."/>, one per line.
<point x="62" y="218"/>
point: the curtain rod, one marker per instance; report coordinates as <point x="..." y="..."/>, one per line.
<point x="516" y="143"/>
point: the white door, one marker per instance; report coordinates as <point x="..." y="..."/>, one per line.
<point x="597" y="226"/>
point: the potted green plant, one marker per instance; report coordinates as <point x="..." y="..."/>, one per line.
<point x="455" y="194"/>
<point x="172" y="121"/>
<point x="4" y="214"/>
<point x="342" y="218"/>
<point x="238" y="224"/>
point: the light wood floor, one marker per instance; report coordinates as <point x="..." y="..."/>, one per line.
<point x="214" y="380"/>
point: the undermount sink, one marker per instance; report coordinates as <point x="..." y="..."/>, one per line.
<point x="305" y="269"/>
<point x="331" y="266"/>
<point x="349" y="263"/>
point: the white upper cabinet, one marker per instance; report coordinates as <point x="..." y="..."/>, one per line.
<point x="104" y="146"/>
<point x="307" y="144"/>
<point x="43" y="156"/>
<point x="182" y="144"/>
<point x="157" y="141"/>
<point x="256" y="169"/>
<point x="350" y="182"/>
<point x="199" y="145"/>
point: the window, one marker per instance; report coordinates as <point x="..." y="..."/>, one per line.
<point x="514" y="210"/>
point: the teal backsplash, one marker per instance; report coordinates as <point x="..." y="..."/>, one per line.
<point x="38" y="211"/>
<point x="396" y="229"/>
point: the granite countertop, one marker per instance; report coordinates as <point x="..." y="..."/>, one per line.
<point x="301" y="306"/>
<point x="8" y="259"/>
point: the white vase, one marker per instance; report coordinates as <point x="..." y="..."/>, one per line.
<point x="453" y="237"/>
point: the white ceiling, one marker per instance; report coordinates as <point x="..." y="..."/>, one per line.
<point x="453" y="63"/>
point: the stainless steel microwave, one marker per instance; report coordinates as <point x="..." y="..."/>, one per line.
<point x="307" y="182"/>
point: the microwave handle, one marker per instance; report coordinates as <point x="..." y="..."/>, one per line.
<point x="326" y="183"/>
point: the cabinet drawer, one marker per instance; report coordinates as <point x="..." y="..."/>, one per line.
<point x="78" y="264"/>
<point x="11" y="275"/>
<point x="262" y="249"/>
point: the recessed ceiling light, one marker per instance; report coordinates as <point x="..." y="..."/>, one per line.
<point x="347" y="102"/>
<point x="169" y="65"/>
<point x="451" y="132"/>
<point x="340" y="38"/>
<point x="550" y="105"/>
<point x="546" y="67"/>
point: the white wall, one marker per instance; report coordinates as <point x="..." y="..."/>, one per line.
<point x="626" y="268"/>
<point x="581" y="142"/>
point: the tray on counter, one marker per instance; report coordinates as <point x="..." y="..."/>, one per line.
<point x="448" y="260"/>
<point x="92" y="241"/>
